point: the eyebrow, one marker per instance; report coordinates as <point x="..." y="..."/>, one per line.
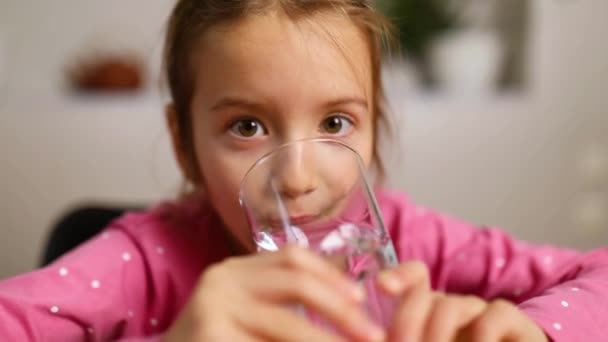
<point x="359" y="101"/>
<point x="235" y="102"/>
<point x="246" y="103"/>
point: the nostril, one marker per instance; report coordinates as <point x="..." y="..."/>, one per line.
<point x="292" y="191"/>
<point x="295" y="182"/>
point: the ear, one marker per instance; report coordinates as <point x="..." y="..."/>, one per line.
<point x="179" y="150"/>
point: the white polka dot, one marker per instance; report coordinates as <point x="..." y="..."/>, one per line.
<point x="160" y="250"/>
<point x="105" y="235"/>
<point x="63" y="271"/>
<point x="517" y="292"/>
<point x="574" y="289"/>
<point x="153" y="322"/>
<point x="95" y="284"/>
<point x="565" y="304"/>
<point x="500" y="262"/>
<point x="90" y="330"/>
<point x="126" y="256"/>
<point x="54" y="309"/>
<point x="557" y="326"/>
<point x="548" y="260"/>
<point x="130" y="313"/>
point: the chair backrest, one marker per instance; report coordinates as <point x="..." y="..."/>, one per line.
<point x="77" y="226"/>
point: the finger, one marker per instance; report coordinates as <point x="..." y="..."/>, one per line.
<point x="206" y="324"/>
<point x="407" y="275"/>
<point x="450" y="314"/>
<point x="409" y="320"/>
<point x="290" y="286"/>
<point x="278" y="324"/>
<point x="500" y="321"/>
<point x="239" y="335"/>
<point x="305" y="260"/>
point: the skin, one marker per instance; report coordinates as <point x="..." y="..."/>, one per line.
<point x="264" y="68"/>
<point x="427" y="315"/>
<point x="268" y="80"/>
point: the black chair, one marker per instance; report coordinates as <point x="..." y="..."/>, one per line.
<point x="77" y="226"/>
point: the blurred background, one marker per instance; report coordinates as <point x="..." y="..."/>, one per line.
<point x="500" y="114"/>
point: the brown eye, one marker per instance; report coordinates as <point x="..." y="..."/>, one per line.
<point x="336" y="125"/>
<point x="247" y="128"/>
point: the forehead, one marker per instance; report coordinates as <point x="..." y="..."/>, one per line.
<point x="318" y="54"/>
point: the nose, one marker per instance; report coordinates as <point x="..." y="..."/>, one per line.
<point x="294" y="172"/>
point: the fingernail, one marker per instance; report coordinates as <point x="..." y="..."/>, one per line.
<point x="390" y="282"/>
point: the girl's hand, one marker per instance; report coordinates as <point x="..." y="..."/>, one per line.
<point x="424" y="315"/>
<point x="254" y="298"/>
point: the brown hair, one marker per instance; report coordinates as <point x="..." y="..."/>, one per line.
<point x="191" y="18"/>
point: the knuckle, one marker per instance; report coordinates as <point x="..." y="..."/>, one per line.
<point x="214" y="272"/>
<point x="419" y="268"/>
<point x="294" y="256"/>
<point x="230" y="262"/>
<point x="474" y="300"/>
<point x="218" y="274"/>
<point x="204" y="297"/>
<point x="350" y="315"/>
<point x="307" y="287"/>
<point x="451" y="302"/>
<point x="416" y="272"/>
<point x="211" y="331"/>
<point x="447" y="305"/>
<point x="211" y="276"/>
<point x="301" y="283"/>
<point x="502" y="306"/>
<point x="200" y="323"/>
<point x="493" y="319"/>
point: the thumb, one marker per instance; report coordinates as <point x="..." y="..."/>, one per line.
<point x="404" y="277"/>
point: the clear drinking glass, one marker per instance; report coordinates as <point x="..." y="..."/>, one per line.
<point x="314" y="193"/>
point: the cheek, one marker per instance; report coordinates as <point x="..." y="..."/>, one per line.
<point x="222" y="184"/>
<point x="365" y="143"/>
<point x="222" y="172"/>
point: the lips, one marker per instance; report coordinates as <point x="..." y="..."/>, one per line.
<point x="332" y="210"/>
<point x="302" y="220"/>
<point x="297" y="220"/>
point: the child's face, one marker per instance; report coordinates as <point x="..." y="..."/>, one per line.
<point x="267" y="80"/>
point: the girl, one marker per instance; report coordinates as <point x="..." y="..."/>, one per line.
<point x="244" y="77"/>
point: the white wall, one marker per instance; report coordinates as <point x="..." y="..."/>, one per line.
<point x="58" y="155"/>
<point x="510" y="160"/>
<point x="58" y="150"/>
<point x="43" y="37"/>
<point x="514" y="161"/>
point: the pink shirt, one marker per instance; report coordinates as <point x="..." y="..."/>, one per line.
<point x="130" y="282"/>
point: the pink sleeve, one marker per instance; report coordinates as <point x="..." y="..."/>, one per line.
<point x="82" y="295"/>
<point x="565" y="292"/>
<point x="156" y="338"/>
<point x="128" y="283"/>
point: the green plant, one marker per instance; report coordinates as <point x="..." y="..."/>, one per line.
<point x="418" y="22"/>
